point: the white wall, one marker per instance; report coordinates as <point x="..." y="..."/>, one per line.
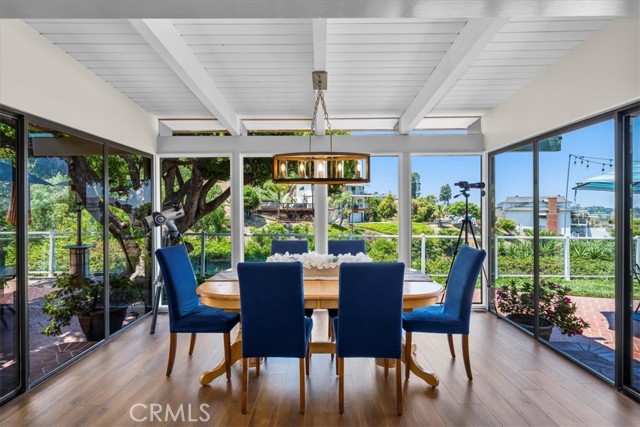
<point x="38" y="78"/>
<point x="600" y="74"/>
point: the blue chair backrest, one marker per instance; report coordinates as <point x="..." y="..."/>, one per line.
<point x="179" y="281"/>
<point x="272" y="309"/>
<point x="370" y="306"/>
<point x="462" y="282"/>
<point x="342" y="247"/>
<point x="291" y="246"/>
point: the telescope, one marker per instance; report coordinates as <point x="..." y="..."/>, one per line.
<point x="465" y="185"/>
<point x="166" y="217"/>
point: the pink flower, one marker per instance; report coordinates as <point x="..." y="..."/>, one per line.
<point x="567" y="300"/>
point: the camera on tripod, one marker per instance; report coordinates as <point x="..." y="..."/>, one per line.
<point x="465" y="185"/>
<point x="166" y="217"/>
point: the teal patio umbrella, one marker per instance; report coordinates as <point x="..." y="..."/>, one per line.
<point x="606" y="182"/>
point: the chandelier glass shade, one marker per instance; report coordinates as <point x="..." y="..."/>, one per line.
<point x="321" y="167"/>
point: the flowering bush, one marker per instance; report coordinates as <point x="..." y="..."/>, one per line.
<point x="319" y="261"/>
<point x="555" y="305"/>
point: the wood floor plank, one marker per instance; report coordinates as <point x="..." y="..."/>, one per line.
<point x="517" y="382"/>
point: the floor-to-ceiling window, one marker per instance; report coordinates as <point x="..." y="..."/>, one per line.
<point x="439" y="186"/>
<point x="576" y="243"/>
<point x="74" y="300"/>
<point x="512" y="225"/>
<point x="554" y="232"/>
<point x="632" y="130"/>
<point x="130" y="258"/>
<point x="66" y="261"/>
<point x="9" y="327"/>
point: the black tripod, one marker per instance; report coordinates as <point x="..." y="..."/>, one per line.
<point x="466" y="227"/>
<point x="171" y="234"/>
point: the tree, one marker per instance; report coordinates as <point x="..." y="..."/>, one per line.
<point x="191" y="182"/>
<point x="445" y="194"/>
<point x="457" y="209"/>
<point x="374" y="205"/>
<point x="388" y="207"/>
<point x="415" y="185"/>
<point x="342" y="204"/>
<point x="423" y="209"/>
<point x="251" y="200"/>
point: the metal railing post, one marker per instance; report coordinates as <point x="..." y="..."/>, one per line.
<point x="52" y="253"/>
<point x="495" y="258"/>
<point x="423" y="252"/>
<point x="202" y="254"/>
<point x="637" y="239"/>
<point x="567" y="258"/>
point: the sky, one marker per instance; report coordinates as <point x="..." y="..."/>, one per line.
<point x="514" y="169"/>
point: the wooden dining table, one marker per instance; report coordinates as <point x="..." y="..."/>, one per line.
<point x="223" y="291"/>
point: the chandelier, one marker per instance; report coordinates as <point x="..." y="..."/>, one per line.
<point x="321" y="167"/>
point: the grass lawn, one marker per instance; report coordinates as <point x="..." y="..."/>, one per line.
<point x="598" y="288"/>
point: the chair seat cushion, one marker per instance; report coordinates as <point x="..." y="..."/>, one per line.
<point x="205" y="319"/>
<point x="433" y="319"/>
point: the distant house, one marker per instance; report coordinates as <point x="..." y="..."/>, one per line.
<point x="554" y="212"/>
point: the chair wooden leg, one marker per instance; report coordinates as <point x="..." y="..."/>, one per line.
<point x="332" y="336"/>
<point x="451" y="349"/>
<point x="340" y="385"/>
<point x="386" y="368"/>
<point x="227" y="354"/>
<point x="172" y="352"/>
<point x="407" y="355"/>
<point x="307" y="360"/>
<point x="465" y="356"/>
<point x="399" y="385"/>
<point x="257" y="366"/>
<point x="302" y="402"/>
<point x="245" y="383"/>
<point x="192" y="344"/>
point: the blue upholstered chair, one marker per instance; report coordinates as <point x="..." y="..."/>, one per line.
<point x="291" y="246"/>
<point x="370" y="320"/>
<point x="273" y="320"/>
<point x="186" y="314"/>
<point x="343" y="247"/>
<point x="453" y="316"/>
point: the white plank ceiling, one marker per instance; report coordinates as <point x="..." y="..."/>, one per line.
<point x="259" y="70"/>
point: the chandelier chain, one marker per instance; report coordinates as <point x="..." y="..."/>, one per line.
<point x="320" y="101"/>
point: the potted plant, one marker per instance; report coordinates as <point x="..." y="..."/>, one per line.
<point x="83" y="297"/>
<point x="556" y="308"/>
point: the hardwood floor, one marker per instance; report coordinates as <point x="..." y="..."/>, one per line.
<point x="517" y="382"/>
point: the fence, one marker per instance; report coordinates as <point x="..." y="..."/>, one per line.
<point x="53" y="262"/>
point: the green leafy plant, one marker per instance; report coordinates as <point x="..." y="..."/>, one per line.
<point x="554" y="302"/>
<point x="75" y="295"/>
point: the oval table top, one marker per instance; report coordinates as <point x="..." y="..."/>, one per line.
<point x="317" y="293"/>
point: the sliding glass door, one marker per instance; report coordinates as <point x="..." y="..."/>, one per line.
<point x="632" y="338"/>
<point x="9" y="323"/>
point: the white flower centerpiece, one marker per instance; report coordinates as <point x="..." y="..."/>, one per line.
<point x="315" y="264"/>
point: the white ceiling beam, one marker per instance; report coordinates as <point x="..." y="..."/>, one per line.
<point x="163" y="37"/>
<point x="261" y="146"/>
<point x="463" y="51"/>
<point x="319" y="44"/>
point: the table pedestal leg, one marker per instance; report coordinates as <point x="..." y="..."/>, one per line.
<point x="235" y="354"/>
<point x="415" y="367"/>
